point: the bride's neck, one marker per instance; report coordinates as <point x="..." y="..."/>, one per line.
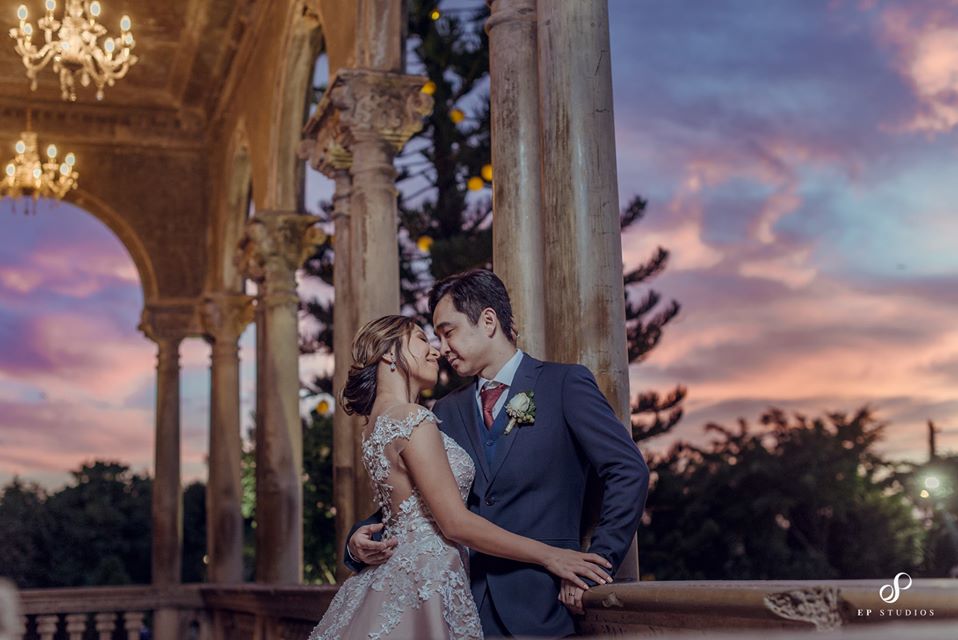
<point x="393" y="391"/>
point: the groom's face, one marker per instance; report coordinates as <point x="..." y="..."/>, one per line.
<point x="463" y="344"/>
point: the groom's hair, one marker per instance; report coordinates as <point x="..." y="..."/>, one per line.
<point x="471" y="292"/>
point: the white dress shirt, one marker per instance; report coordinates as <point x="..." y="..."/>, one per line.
<point x="505" y="377"/>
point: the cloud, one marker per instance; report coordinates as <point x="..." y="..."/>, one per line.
<point x="924" y="38"/>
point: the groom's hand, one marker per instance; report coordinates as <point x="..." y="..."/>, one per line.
<point x="364" y="548"/>
<point x="571" y="596"/>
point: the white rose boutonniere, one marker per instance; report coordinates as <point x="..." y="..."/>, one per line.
<point x="521" y="410"/>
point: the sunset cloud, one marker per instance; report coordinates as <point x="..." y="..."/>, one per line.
<point x="768" y="138"/>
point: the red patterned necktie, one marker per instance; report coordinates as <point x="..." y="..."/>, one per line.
<point x="489" y="395"/>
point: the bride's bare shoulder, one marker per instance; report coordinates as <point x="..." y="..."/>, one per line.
<point x="409" y="412"/>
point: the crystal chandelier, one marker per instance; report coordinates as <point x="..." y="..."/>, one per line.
<point x="72" y="44"/>
<point x="27" y="175"/>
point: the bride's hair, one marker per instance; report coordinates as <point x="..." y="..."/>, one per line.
<point x="372" y="342"/>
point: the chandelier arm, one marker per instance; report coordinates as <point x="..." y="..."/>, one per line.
<point x="38" y="60"/>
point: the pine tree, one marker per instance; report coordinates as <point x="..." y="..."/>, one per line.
<point x="445" y="209"/>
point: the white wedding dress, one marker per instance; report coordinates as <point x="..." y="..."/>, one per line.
<point x="422" y="591"/>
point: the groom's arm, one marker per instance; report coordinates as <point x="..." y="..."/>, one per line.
<point x="352" y="563"/>
<point x="614" y="456"/>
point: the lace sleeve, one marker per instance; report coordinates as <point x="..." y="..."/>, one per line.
<point x="403" y="427"/>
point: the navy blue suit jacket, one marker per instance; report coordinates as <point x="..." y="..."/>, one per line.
<point x="535" y="486"/>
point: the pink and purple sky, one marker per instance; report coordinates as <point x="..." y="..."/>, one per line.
<point x="799" y="159"/>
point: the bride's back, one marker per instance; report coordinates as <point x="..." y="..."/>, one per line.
<point x="384" y="440"/>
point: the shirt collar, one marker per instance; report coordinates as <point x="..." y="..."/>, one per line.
<point x="506" y="373"/>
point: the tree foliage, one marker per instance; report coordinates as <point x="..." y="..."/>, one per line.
<point x="795" y="498"/>
<point x="94" y="531"/>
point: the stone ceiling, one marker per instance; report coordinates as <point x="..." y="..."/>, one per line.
<point x="185" y="49"/>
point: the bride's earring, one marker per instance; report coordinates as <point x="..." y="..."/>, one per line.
<point x="392" y="366"/>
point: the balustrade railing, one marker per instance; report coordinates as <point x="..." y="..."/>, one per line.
<point x="264" y="612"/>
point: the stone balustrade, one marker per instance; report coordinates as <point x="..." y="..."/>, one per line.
<point x="776" y="609"/>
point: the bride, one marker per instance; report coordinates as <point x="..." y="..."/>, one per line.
<point x="421" y="480"/>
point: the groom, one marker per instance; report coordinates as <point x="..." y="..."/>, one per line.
<point x="531" y="480"/>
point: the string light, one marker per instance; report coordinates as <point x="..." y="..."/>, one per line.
<point x="429" y="88"/>
<point x="487" y="172"/>
<point x="435" y="15"/>
<point x="475" y="183"/>
<point x="457" y="116"/>
<point x="424" y="243"/>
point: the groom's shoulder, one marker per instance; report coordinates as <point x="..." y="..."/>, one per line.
<point x="562" y="369"/>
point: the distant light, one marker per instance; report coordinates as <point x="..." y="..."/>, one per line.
<point x="487" y="172"/>
<point x="457" y="116"/>
<point x="435" y="15"/>
<point x="323" y="408"/>
<point x="931" y="482"/>
<point x="429" y="88"/>
<point x="475" y="183"/>
<point x="424" y="243"/>
<point x="924" y="493"/>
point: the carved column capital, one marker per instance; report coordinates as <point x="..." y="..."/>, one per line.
<point x="362" y="104"/>
<point x="168" y="321"/>
<point x="326" y="152"/>
<point x="224" y="316"/>
<point x="275" y="244"/>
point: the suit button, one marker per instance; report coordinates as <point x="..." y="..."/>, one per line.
<point x="490" y="501"/>
<point x="489" y="443"/>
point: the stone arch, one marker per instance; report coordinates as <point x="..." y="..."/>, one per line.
<point x="128" y="237"/>
<point x="239" y="183"/>
<point x="304" y="42"/>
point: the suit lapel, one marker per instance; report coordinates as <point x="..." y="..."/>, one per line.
<point x="470" y="423"/>
<point x="524" y="380"/>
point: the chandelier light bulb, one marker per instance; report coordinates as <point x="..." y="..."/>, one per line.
<point x="28" y="175"/>
<point x="76" y="47"/>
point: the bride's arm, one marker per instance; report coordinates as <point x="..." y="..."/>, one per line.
<point x="425" y="457"/>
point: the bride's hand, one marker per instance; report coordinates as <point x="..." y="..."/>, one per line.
<point x="575" y="565"/>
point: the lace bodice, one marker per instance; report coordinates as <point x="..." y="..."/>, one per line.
<point x="400" y="501"/>
<point x="424" y="587"/>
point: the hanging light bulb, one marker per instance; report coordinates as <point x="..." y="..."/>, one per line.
<point x="72" y="44"/>
<point x="27" y="175"/>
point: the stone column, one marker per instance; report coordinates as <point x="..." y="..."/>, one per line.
<point x="585" y="294"/>
<point x="327" y="156"/>
<point x="273" y="247"/>
<point x="367" y="115"/>
<point x="167" y="324"/>
<point x="225" y="317"/>
<point x="516" y="195"/>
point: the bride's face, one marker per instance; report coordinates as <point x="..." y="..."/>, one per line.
<point x="422" y="359"/>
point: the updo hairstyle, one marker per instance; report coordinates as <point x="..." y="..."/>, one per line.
<point x="373" y="341"/>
